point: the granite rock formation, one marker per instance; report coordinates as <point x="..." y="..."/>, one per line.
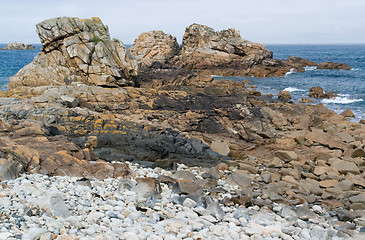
<point x="18" y="46"/>
<point x="202" y="48"/>
<point x="278" y="151"/>
<point x="205" y="52"/>
<point x="79" y="50"/>
<point x="154" y="47"/>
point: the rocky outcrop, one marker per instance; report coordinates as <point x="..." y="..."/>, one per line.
<point x="202" y="47"/>
<point x="18" y="46"/>
<point x="30" y="148"/>
<point x="77" y="50"/>
<point x="291" y="148"/>
<point x="335" y="66"/>
<point x="205" y="51"/>
<point x="272" y="150"/>
<point x="154" y="47"/>
<point x="317" y="92"/>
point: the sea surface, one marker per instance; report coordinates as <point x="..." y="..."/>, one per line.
<point x="350" y="85"/>
<point x="11" y="61"/>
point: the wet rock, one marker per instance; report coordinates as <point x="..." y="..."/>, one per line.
<point x="335" y="66"/>
<point x="317" y="92"/>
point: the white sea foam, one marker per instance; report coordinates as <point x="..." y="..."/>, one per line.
<point x="216" y="76"/>
<point x="292" y="70"/>
<point x="310" y="68"/>
<point x="293" y="89"/>
<point x="355" y="69"/>
<point x="341" y="100"/>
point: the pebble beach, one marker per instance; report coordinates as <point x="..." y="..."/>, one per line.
<point x="36" y="206"/>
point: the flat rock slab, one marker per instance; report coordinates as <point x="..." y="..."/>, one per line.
<point x="345" y="167"/>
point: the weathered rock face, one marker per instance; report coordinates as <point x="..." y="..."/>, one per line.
<point x="18" y="46"/>
<point x="154" y="46"/>
<point x="81" y="50"/>
<point x="203" y="47"/>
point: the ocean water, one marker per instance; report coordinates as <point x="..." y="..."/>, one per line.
<point x="11" y="61"/>
<point x="350" y="85"/>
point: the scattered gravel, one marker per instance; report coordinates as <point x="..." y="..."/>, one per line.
<point x="36" y="206"/>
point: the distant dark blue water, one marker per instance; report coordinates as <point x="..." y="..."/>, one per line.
<point x="350" y="85"/>
<point x="11" y="61"/>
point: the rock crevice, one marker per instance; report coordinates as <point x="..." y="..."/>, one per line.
<point x="81" y="50"/>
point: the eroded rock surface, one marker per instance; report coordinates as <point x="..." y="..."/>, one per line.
<point x="154" y="47"/>
<point x="202" y="47"/>
<point x="79" y="50"/>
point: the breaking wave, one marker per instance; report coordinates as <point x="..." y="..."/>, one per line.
<point x="293" y="89"/>
<point x="310" y="68"/>
<point x="341" y="100"/>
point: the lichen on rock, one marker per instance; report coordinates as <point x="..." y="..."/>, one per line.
<point x="80" y="50"/>
<point x="154" y="46"/>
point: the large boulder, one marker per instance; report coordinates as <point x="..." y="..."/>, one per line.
<point x="154" y="46"/>
<point x="317" y="92"/>
<point x="202" y="47"/>
<point x="80" y="50"/>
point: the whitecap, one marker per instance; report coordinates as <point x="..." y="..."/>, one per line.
<point x="355" y="69"/>
<point x="292" y="70"/>
<point x="341" y="100"/>
<point x="310" y="68"/>
<point x="293" y="89"/>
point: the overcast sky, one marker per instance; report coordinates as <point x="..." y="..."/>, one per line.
<point x="263" y="21"/>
